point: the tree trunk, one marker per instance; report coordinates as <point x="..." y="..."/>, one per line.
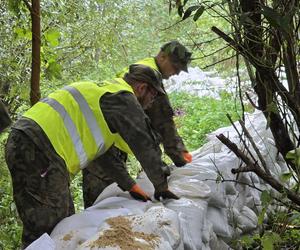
<point x="35" y="93"/>
<point x="265" y="78"/>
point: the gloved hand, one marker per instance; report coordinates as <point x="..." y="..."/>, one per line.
<point x="187" y="157"/>
<point x="166" y="194"/>
<point x="181" y="158"/>
<point x="138" y="193"/>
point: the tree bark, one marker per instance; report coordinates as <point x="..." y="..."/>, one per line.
<point x="35" y="93"/>
<point x="266" y="83"/>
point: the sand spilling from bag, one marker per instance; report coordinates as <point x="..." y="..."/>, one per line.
<point x="121" y="234"/>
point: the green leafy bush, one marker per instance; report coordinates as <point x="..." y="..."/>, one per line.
<point x="10" y="232"/>
<point x="196" y="117"/>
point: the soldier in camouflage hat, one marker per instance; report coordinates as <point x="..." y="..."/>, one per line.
<point x="79" y="123"/>
<point x="172" y="58"/>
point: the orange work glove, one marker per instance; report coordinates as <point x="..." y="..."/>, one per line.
<point x="187" y="157"/>
<point x="138" y="193"/>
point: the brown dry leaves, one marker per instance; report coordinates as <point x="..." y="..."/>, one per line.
<point x="121" y="234"/>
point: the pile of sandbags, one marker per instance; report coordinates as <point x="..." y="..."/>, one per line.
<point x="209" y="214"/>
<point x="199" y="83"/>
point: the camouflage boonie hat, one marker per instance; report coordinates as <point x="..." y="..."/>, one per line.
<point x="140" y="72"/>
<point x="178" y="53"/>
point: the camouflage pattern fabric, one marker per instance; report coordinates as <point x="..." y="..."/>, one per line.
<point x="161" y="116"/>
<point x="95" y="178"/>
<point x="5" y="120"/>
<point x="40" y="187"/>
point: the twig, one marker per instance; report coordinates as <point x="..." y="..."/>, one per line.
<point x="239" y="85"/>
<point x="241" y="137"/>
<point x="253" y="167"/>
<point x="247" y="134"/>
<point x="225" y="59"/>
<point x="212" y="53"/>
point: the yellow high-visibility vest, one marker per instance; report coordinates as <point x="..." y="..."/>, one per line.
<point x="73" y="121"/>
<point x="150" y="62"/>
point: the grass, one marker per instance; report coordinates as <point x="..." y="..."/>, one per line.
<point x="196" y="117"/>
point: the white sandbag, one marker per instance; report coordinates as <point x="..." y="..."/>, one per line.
<point x="158" y="228"/>
<point x="190" y="187"/>
<point x="216" y="243"/>
<point x="212" y="146"/>
<point x="191" y="214"/>
<point x="196" y="181"/>
<point x="112" y="190"/>
<point x="219" y="220"/>
<point x="217" y="198"/>
<point x="81" y="230"/>
<point x="195" y="168"/>
<point x="186" y="233"/>
<point x="230" y="188"/>
<point x="243" y="221"/>
<point x="247" y="220"/>
<point x="207" y="231"/>
<point x="78" y="228"/>
<point x="254" y="178"/>
<point x="134" y="206"/>
<point x="44" y="242"/>
<point x="253" y="200"/>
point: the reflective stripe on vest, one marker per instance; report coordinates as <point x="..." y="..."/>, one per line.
<point x="88" y="115"/>
<point x="70" y="126"/>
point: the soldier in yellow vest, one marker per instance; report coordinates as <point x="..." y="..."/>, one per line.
<point x="64" y="132"/>
<point x="171" y="60"/>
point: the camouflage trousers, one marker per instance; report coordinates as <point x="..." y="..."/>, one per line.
<point x="40" y="187"/>
<point x="95" y="177"/>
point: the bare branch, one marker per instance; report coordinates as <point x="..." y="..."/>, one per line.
<point x="247" y="134"/>
<point x="237" y="65"/>
<point x="254" y="167"/>
<point x="241" y="137"/>
<point x="223" y="60"/>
